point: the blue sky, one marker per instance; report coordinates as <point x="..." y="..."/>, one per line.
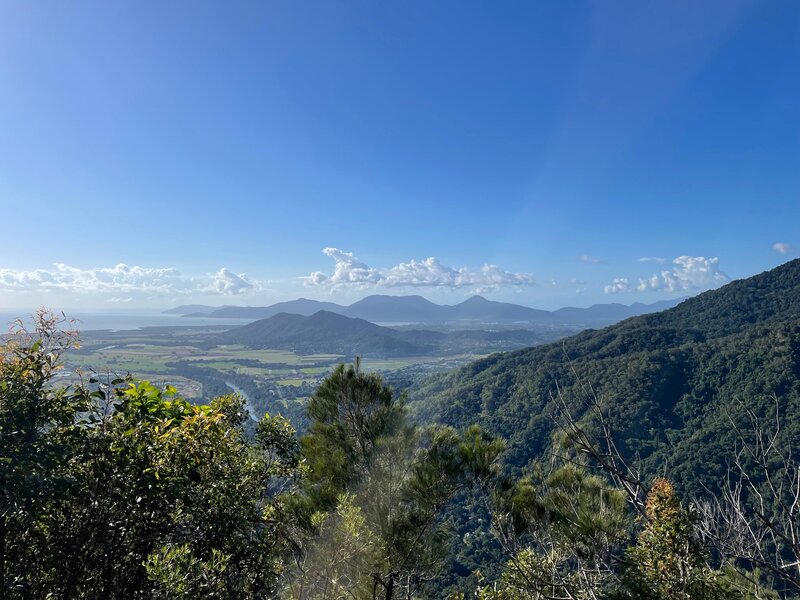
<point x="559" y="142"/>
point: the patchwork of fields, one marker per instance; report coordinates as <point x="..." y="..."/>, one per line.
<point x="187" y="358"/>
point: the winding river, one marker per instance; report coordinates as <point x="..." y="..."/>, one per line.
<point x="246" y="397"/>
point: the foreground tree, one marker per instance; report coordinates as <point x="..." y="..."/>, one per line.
<point x="668" y="560"/>
<point x="755" y="520"/>
<point x="561" y="532"/>
<point x="351" y="415"/>
<point x="38" y="427"/>
<point x="126" y="490"/>
<point x="376" y="491"/>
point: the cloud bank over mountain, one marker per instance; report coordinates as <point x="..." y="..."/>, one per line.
<point x="349" y="271"/>
<point x="135" y="285"/>
<point x="124" y="279"/>
<point x="228" y="283"/>
<point x="687" y="274"/>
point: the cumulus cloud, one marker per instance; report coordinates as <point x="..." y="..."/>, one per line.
<point x="120" y="279"/>
<point x="782" y="247"/>
<point x="348" y="270"/>
<point x="430" y="272"/>
<point x="618" y="286"/>
<point x="227" y="282"/>
<point x="689" y="273"/>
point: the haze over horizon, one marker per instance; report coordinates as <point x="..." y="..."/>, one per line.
<point x="410" y="296"/>
<point x="544" y="154"/>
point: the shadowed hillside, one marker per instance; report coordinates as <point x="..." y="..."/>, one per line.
<point x="669" y="381"/>
<point x="324" y="332"/>
<point x="330" y="333"/>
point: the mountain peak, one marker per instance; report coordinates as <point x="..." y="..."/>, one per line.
<point x="476" y="299"/>
<point x="323" y="332"/>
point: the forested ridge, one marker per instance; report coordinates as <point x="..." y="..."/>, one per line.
<point x="670" y="382"/>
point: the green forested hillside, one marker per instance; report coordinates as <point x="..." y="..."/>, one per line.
<point x="324" y="332"/>
<point x="670" y="382"/>
<point x="330" y="333"/>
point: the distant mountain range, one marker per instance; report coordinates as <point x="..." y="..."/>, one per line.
<point x="301" y="306"/>
<point x="326" y="332"/>
<point x="416" y="309"/>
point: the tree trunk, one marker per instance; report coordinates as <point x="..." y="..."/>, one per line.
<point x="2" y="556"/>
<point x="390" y="587"/>
<point x="387" y="585"/>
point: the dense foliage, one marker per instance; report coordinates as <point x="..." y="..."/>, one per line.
<point x="123" y="490"/>
<point x="671" y="383"/>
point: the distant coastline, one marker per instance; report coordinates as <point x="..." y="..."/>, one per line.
<point x="87" y="321"/>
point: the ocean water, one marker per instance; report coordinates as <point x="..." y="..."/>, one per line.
<point x="125" y="321"/>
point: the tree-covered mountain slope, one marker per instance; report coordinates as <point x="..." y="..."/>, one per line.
<point x="331" y="333"/>
<point x="324" y="332"/>
<point x="670" y="382"/>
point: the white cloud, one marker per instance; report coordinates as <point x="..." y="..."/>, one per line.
<point x="348" y="271"/>
<point x="227" y="282"/>
<point x="782" y="247"/>
<point x="619" y="285"/>
<point x="689" y="273"/>
<point x="116" y="300"/>
<point x="655" y="259"/>
<point x="118" y="280"/>
<point x="430" y="272"/>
